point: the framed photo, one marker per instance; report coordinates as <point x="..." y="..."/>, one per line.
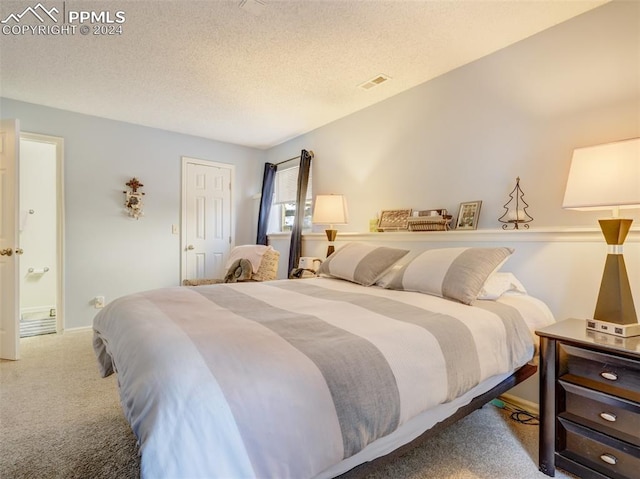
<point x="394" y="220"/>
<point x="468" y="215"/>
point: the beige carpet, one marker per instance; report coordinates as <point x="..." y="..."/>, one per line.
<point x="59" y="419"/>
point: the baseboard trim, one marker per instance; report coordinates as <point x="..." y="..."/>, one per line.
<point x="528" y="406"/>
<point x="77" y="330"/>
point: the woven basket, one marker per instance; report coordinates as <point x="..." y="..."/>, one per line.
<point x="429" y="223"/>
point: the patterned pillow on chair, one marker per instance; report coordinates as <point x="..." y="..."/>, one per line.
<point x="268" y="269"/>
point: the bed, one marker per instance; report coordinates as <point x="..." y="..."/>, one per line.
<point x="310" y="378"/>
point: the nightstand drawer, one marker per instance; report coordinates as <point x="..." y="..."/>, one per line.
<point x="599" y="452"/>
<point x="611" y="374"/>
<point x="613" y="416"/>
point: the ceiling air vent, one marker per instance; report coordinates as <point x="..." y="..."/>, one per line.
<point x="374" y="82"/>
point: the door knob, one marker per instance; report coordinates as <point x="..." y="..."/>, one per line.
<point x="6" y="252"/>
<point x="190" y="247"/>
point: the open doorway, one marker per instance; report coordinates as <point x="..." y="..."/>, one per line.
<point x="40" y="234"/>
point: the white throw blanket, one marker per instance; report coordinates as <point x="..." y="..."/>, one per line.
<point x="251" y="252"/>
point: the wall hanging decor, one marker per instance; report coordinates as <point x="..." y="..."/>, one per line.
<point x="516" y="207"/>
<point x="133" y="198"/>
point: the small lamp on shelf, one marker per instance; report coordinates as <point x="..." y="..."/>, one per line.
<point x="516" y="207"/>
<point x="330" y="210"/>
<point x="607" y="177"/>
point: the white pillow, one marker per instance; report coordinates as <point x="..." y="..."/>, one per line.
<point x="454" y="273"/>
<point x="499" y="283"/>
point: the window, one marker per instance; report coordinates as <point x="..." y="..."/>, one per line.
<point x="284" y="200"/>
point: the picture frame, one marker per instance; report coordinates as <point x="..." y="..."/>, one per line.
<point x="468" y="215"/>
<point x="394" y="220"/>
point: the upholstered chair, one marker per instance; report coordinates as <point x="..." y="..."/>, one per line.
<point x="246" y="263"/>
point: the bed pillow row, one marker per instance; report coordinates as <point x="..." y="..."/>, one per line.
<point x="454" y="273"/>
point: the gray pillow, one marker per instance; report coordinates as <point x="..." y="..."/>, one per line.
<point x="454" y="273"/>
<point x="360" y="262"/>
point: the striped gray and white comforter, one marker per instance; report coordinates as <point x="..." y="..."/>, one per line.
<point x="284" y="379"/>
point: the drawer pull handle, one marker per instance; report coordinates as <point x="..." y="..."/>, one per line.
<point x="609" y="376"/>
<point x="608" y="416"/>
<point x="609" y="459"/>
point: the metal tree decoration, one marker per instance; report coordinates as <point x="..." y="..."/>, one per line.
<point x="516" y="209"/>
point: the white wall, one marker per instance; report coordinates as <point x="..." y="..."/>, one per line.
<point x="468" y="134"/>
<point x="106" y="252"/>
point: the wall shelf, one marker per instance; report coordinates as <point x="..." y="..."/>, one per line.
<point x="551" y="234"/>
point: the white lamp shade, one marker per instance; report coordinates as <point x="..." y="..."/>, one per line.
<point x="604" y="177"/>
<point x="330" y="210"/>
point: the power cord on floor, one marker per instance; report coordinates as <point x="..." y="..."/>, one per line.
<point x="517" y="414"/>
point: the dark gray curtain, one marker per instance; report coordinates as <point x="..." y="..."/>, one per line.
<point x="268" y="183"/>
<point x="295" y="248"/>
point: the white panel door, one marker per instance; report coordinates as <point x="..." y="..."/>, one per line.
<point x="9" y="249"/>
<point x="207" y="222"/>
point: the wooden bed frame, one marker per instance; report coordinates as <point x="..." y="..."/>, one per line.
<point x="517" y="377"/>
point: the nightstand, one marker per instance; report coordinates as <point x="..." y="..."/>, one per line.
<point x="589" y="402"/>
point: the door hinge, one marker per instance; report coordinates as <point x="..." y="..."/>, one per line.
<point x="229" y="239"/>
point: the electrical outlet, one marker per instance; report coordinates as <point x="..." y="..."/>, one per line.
<point x="98" y="302"/>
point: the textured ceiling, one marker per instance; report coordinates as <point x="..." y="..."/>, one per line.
<point x="212" y="69"/>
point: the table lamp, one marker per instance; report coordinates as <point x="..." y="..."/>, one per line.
<point x="607" y="177"/>
<point x="330" y="210"/>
